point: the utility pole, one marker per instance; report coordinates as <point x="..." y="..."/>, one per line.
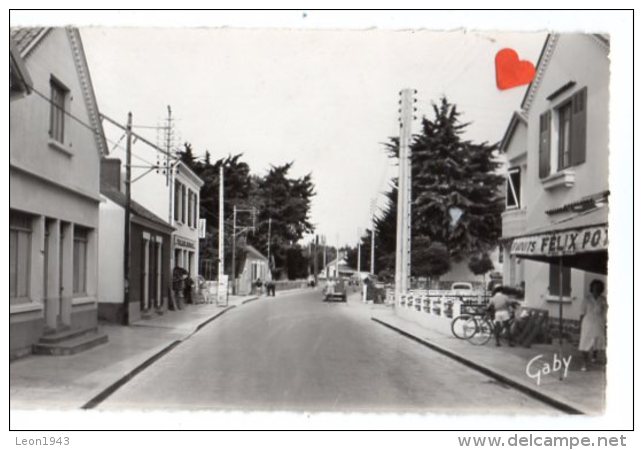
<point x="337" y="256"/>
<point x="221" y="225"/>
<point x="325" y="267"/>
<point x="233" y="270"/>
<point x="128" y="214"/>
<point x="269" y="230"/>
<point x="373" y="203"/>
<point x="315" y="269"/>
<point x="359" y="253"/>
<point x="403" y="235"/>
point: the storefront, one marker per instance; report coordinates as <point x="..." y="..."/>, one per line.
<point x="185" y="254"/>
<point x="579" y="243"/>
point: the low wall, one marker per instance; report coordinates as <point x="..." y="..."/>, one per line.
<point x="284" y="285"/>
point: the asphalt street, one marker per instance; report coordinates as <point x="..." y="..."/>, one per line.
<point x="297" y="353"/>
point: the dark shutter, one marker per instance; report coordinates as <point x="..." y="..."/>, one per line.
<point x="579" y="127"/>
<point x="545" y="144"/>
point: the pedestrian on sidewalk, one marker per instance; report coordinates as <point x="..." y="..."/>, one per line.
<point x="258" y="284"/>
<point x="593" y="321"/>
<point x="502" y="307"/>
<point x="179" y="275"/>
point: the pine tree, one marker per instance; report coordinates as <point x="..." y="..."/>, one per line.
<point x="447" y="172"/>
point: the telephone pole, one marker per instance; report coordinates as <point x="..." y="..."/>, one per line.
<point x="359" y="253"/>
<point x="373" y="203"/>
<point x="221" y="225"/>
<point x="128" y="214"/>
<point x="269" y="230"/>
<point x="403" y="241"/>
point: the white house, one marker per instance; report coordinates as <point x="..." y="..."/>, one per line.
<point x="557" y="145"/>
<point x="176" y="200"/>
<point x="56" y="143"/>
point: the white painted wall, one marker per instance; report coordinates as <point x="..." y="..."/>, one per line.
<point x="111" y="251"/>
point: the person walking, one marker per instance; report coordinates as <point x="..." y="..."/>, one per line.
<point x="593" y="321"/>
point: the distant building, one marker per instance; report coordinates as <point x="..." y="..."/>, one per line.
<point x="150" y="276"/>
<point x="337" y="268"/>
<point x="557" y="147"/>
<point x="254" y="267"/>
<point x="56" y="143"/>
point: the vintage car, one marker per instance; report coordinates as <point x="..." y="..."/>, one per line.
<point x="335" y="290"/>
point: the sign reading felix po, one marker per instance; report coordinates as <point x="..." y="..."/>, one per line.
<point x="567" y="242"/>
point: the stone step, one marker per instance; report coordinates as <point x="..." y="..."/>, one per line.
<point x="62" y="335"/>
<point x="72" y="345"/>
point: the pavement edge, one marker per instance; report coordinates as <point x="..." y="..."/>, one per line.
<point x="109" y="390"/>
<point x="528" y="390"/>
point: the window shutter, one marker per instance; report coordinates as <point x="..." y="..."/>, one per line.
<point x="579" y="127"/>
<point x="545" y="144"/>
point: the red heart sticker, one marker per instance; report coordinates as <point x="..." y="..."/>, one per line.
<point x="512" y="72"/>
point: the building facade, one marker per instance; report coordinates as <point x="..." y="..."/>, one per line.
<point x="555" y="222"/>
<point x="175" y="199"/>
<point x="255" y="267"/>
<point x="56" y="143"/>
<point x="150" y="248"/>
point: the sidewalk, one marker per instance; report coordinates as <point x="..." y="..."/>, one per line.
<point x="70" y="382"/>
<point x="579" y="392"/>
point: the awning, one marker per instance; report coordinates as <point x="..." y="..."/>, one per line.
<point x="581" y="241"/>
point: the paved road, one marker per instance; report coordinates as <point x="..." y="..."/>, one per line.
<point x="297" y="353"/>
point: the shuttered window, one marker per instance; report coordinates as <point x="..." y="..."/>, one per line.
<point x="564" y="136"/>
<point x="544" y="150"/>
<point x="57" y="111"/>
<point x="578" y="139"/>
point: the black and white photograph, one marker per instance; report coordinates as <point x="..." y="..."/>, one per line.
<point x="319" y="221"/>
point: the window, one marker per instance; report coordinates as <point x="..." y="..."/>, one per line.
<point x="195" y="220"/>
<point x="19" y="257"/>
<point x="554" y="280"/>
<point x="80" y="260"/>
<point x="564" y="135"/>
<point x="57" y="111"/>
<point x="190" y="206"/>
<point x="513" y="189"/>
<point x="177" y="200"/>
<point x="569" y="139"/>
<point x="183" y="203"/>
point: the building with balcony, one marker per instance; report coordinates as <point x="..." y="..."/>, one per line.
<point x="557" y="148"/>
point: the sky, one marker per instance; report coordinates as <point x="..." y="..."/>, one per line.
<point x="325" y="99"/>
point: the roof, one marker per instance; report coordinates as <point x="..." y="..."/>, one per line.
<point x="516" y="118"/>
<point x="19" y="75"/>
<point x="185" y="170"/>
<point x="253" y="251"/>
<point x="137" y="209"/>
<point x="24" y="37"/>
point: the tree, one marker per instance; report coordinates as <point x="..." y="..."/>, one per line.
<point x="430" y="258"/>
<point x="480" y="264"/>
<point x="447" y="172"/>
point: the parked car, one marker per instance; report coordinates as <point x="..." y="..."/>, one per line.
<point x="335" y="290"/>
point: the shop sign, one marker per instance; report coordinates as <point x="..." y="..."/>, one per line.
<point x="180" y="242"/>
<point x="568" y="242"/>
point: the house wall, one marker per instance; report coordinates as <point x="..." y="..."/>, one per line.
<point x="583" y="59"/>
<point x="111" y="250"/>
<point x="57" y="187"/>
<point x="245" y="281"/>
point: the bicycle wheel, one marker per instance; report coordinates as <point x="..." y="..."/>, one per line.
<point x="463" y="327"/>
<point x="483" y="333"/>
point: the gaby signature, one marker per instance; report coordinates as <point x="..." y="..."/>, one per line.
<point x="537" y="366"/>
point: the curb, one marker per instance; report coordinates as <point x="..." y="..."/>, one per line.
<point x="525" y="389"/>
<point x="248" y="300"/>
<point x="109" y="390"/>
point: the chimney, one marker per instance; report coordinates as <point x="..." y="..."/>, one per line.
<point x="110" y="174"/>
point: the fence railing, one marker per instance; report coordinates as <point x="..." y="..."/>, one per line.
<point x="440" y="302"/>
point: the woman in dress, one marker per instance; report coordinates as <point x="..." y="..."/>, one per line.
<point x="593" y="322"/>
